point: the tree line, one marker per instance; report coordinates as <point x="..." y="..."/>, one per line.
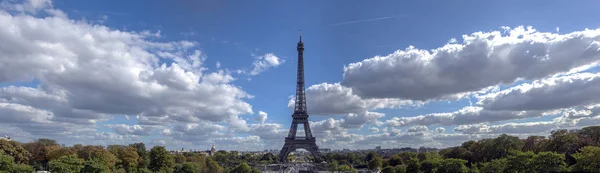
<point x="46" y="154"/>
<point x="562" y="151"/>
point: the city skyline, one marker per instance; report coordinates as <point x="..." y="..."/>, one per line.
<point x="190" y="74"/>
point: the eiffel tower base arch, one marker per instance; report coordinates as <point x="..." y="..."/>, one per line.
<point x="307" y="144"/>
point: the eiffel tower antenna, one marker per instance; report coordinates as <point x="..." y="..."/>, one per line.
<point x="300" y="116"/>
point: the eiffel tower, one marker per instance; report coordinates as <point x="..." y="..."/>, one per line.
<point x="292" y="142"/>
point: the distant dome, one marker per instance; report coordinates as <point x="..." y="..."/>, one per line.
<point x="213" y="148"/>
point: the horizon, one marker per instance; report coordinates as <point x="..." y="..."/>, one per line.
<point x="188" y="74"/>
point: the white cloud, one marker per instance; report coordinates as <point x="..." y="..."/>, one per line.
<point x="264" y="62"/>
<point x="440" y="130"/>
<point x="107" y="71"/>
<point x="238" y="124"/>
<point x="546" y="94"/>
<point x="89" y="73"/>
<point x="482" y="60"/>
<point x="374" y="130"/>
<point x="140" y="130"/>
<point x="28" y="6"/>
<point x="510" y="128"/>
<point x="261" y="117"/>
<point x="418" y="128"/>
<point x="18" y="114"/>
<point x="466" y="115"/>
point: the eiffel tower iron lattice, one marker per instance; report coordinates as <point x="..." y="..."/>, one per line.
<point x="300" y="116"/>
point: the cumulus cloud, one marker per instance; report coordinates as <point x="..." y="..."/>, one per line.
<point x="28" y="6"/>
<point x="467" y="115"/>
<point x="108" y="71"/>
<point x="483" y="128"/>
<point x="261" y="117"/>
<point x="18" y="114"/>
<point x="482" y="60"/>
<point x="88" y="73"/>
<point x="124" y="129"/>
<point x="264" y="62"/>
<point x="374" y="130"/>
<point x="418" y="129"/>
<point x="547" y="94"/>
<point x="440" y="130"/>
<point x="335" y="99"/>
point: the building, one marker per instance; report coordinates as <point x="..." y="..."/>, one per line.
<point x="324" y="150"/>
<point x="213" y="149"/>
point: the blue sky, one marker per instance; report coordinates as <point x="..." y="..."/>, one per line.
<point x="239" y="35"/>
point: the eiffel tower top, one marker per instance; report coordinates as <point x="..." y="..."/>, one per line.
<point x="300" y="106"/>
<point x="300" y="44"/>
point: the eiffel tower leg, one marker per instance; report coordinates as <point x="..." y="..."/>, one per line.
<point x="285" y="150"/>
<point x="314" y="150"/>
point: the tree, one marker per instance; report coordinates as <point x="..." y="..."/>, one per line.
<point x="242" y="168"/>
<point x="38" y="150"/>
<point x="496" y="165"/>
<point x="388" y="169"/>
<point x="588" y="159"/>
<point x="66" y="164"/>
<point x="22" y="168"/>
<point x="345" y="168"/>
<point x="592" y="134"/>
<point x="62" y="151"/>
<point x="407" y="156"/>
<point x="520" y="162"/>
<point x="500" y="146"/>
<point x="94" y="166"/>
<point x="534" y="144"/>
<point x="198" y="160"/>
<point x="413" y="165"/>
<point x="428" y="156"/>
<point x="142" y="153"/>
<point x="400" y="169"/>
<point x="545" y="162"/>
<point x="395" y="160"/>
<point x="268" y="157"/>
<point x="561" y="141"/>
<point x="6" y="162"/>
<point x="430" y="165"/>
<point x="213" y="166"/>
<point x="187" y="167"/>
<point x="99" y="154"/>
<point x="160" y="160"/>
<point x="332" y="166"/>
<point x="46" y="142"/>
<point x="453" y="166"/>
<point x="179" y="158"/>
<point x="375" y="164"/>
<point x="127" y="157"/>
<point x="15" y="150"/>
<point x="457" y="153"/>
<point x="474" y="169"/>
<point x="370" y="156"/>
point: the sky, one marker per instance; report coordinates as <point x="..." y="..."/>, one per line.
<point x="191" y="74"/>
